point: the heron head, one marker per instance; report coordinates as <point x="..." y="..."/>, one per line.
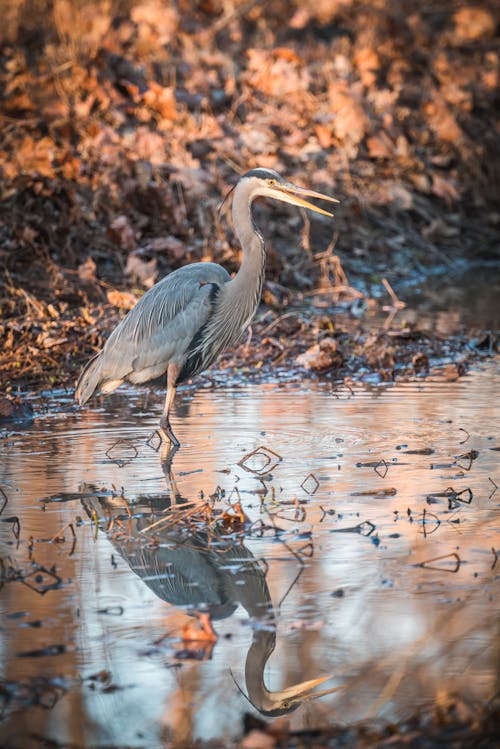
<point x="268" y="183"/>
<point x="280" y="702"/>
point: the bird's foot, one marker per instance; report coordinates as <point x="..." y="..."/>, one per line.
<point x="167" y="432"/>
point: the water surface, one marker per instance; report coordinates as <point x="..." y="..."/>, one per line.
<point x="367" y="552"/>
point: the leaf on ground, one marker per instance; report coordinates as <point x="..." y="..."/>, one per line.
<point x="162" y="100"/>
<point x="472" y="23"/>
<point x="380" y="146"/>
<point x="367" y="61"/>
<point x="321" y="356"/>
<point x="257" y="739"/>
<point x="441" y="120"/>
<point x="142" y="271"/>
<point x="121" y="232"/>
<point x="277" y="73"/>
<point x="35" y="156"/>
<point x="121" y="299"/>
<point x="445" y="188"/>
<point x="87" y="269"/>
<point x="350" y="122"/>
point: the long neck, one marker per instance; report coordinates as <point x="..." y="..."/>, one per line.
<point x="239" y="298"/>
<point x="242" y="294"/>
<point x="263" y="644"/>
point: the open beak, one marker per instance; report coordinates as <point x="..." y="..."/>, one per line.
<point x="304" y="691"/>
<point x="289" y="193"/>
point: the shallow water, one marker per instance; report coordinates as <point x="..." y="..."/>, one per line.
<point x="375" y="571"/>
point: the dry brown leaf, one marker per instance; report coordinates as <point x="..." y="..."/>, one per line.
<point x="156" y="18"/>
<point x="285" y="53"/>
<point x="21" y="101"/>
<point x="276" y="75"/>
<point x="195" y="182"/>
<point x="148" y="146"/>
<point x="400" y="196"/>
<point x="321" y="356"/>
<point x="170" y="246"/>
<point x="367" y="61"/>
<point x="45" y="340"/>
<point x="142" y="271"/>
<point x="34" y="157"/>
<point x="122" y="233"/>
<point x="472" y="23"/>
<point x="121" y="299"/>
<point x="86" y="271"/>
<point x="200" y="630"/>
<point x="350" y="121"/>
<point x="161" y="99"/>
<point x="380" y="146"/>
<point x="300" y="19"/>
<point x="441" y="120"/>
<point x="445" y="189"/>
<point x="257" y="139"/>
<point x="324" y="135"/>
<point x="256" y="739"/>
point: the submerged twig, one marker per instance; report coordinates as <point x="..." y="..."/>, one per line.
<point x="429" y="566"/>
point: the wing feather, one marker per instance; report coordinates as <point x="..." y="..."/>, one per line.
<point x="159" y="329"/>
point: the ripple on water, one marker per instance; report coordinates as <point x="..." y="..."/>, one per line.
<point x="357" y="540"/>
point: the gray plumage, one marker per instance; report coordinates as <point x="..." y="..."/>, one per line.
<point x="181" y="325"/>
<point x="158" y="331"/>
<point x="206" y="572"/>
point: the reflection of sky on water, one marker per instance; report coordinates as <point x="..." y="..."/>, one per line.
<point x="438" y="628"/>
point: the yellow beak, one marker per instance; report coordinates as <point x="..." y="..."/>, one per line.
<point x="304" y="691"/>
<point x="289" y="193"/>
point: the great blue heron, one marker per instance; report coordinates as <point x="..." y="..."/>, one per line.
<point x="203" y="570"/>
<point x="187" y="319"/>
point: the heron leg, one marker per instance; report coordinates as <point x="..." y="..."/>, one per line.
<point x="172" y="375"/>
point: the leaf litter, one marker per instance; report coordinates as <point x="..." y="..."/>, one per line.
<point x="123" y="127"/>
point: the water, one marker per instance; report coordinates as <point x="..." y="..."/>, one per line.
<point x="375" y="571"/>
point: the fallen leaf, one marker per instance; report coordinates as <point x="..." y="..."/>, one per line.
<point x="441" y="120"/>
<point x="321" y="356"/>
<point x="445" y="189"/>
<point x="86" y="271"/>
<point x="380" y="146"/>
<point x="276" y="73"/>
<point x="121" y="232"/>
<point x="143" y="271"/>
<point x="472" y="23"/>
<point x="200" y="630"/>
<point x="162" y="100"/>
<point x="350" y="121"/>
<point x="324" y="135"/>
<point x="121" y="299"/>
<point x="257" y="740"/>
<point x="367" y="61"/>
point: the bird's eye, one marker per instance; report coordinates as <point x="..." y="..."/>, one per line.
<point x="271" y="182"/>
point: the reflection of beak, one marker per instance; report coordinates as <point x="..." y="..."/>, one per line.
<point x="288" y="193"/>
<point x="304" y="691"/>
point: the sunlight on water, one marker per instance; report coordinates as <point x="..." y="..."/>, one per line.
<point x="368" y="553"/>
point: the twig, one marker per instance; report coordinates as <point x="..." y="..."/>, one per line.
<point x="395" y="307"/>
<point x="277" y="320"/>
<point x="495" y="487"/>
<point x="59" y="537"/>
<point x="427" y="565"/>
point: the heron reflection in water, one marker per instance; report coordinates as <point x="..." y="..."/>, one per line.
<point x="205" y="570"/>
<point x="181" y="325"/>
